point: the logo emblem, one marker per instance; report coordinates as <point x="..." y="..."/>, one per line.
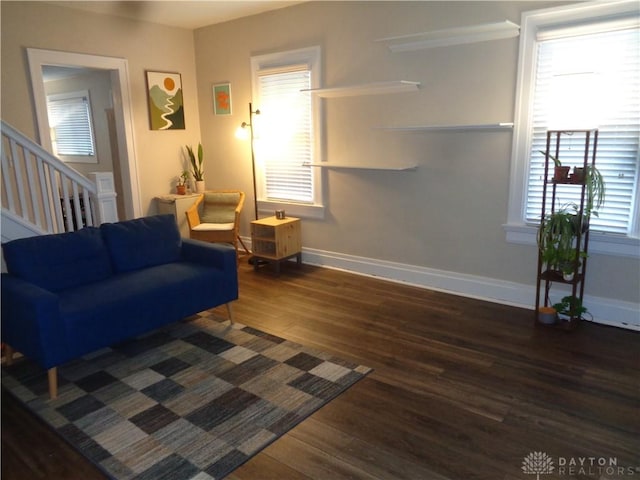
<point x="537" y="463"/>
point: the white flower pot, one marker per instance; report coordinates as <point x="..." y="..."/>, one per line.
<point x="200" y="186"/>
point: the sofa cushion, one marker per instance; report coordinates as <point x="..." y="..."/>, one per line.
<point x="133" y="303"/>
<point x="143" y="242"/>
<point x="59" y="261"/>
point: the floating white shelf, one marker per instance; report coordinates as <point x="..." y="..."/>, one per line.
<point x="398" y="168"/>
<point x="452" y="36"/>
<point x="377" y="88"/>
<point x="453" y="128"/>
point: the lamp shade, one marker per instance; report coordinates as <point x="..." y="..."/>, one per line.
<point x="242" y="132"/>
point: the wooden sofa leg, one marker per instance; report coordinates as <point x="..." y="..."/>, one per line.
<point x="52" y="373"/>
<point x="230" y="312"/>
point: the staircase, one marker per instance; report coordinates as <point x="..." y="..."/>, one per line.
<point x="41" y="194"/>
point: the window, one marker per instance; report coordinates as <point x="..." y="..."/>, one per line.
<point x="71" y="129"/>
<point x="572" y="73"/>
<point x="285" y="133"/>
<point x="286" y="178"/>
<point x="579" y="68"/>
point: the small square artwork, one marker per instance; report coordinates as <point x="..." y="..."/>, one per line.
<point x="222" y="99"/>
<point x="166" y="108"/>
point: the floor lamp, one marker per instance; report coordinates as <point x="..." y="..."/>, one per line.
<point x="241" y="133"/>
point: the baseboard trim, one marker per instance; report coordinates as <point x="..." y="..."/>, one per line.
<point x="604" y="310"/>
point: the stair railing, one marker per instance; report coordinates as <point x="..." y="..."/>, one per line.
<point x="43" y="191"/>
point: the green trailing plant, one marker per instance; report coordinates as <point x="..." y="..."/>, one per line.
<point x="570" y="306"/>
<point x="196" y="164"/>
<point x="594" y="182"/>
<point x="557" y="237"/>
<point x="596" y="190"/>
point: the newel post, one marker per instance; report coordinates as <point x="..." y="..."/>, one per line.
<point x="104" y="197"/>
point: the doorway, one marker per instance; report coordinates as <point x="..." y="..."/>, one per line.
<point x="119" y="116"/>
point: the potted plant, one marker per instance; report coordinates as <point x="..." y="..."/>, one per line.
<point x="569" y="269"/>
<point x="590" y="175"/>
<point x="557" y="238"/>
<point x="547" y="315"/>
<point x="578" y="175"/>
<point x="570" y="308"/>
<point x="181" y="186"/>
<point x="558" y="230"/>
<point x="196" y="165"/>
<point x="560" y="173"/>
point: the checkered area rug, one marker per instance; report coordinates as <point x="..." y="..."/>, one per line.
<point x="191" y="401"/>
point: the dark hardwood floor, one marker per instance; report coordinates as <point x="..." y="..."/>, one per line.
<point x="462" y="389"/>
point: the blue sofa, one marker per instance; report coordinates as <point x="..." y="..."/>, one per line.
<point x="68" y="294"/>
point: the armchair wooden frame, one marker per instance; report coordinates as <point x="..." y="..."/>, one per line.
<point x="215" y="234"/>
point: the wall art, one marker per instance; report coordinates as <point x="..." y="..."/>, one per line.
<point x="222" y="99"/>
<point x="166" y="108"/>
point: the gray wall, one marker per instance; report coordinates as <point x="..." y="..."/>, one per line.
<point x="447" y="215"/>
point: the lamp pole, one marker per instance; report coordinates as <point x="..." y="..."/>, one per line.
<point x="253" y="260"/>
<point x="253" y="160"/>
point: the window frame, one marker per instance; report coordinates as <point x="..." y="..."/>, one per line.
<point x="312" y="57"/>
<point x="84" y="96"/>
<point x="517" y="231"/>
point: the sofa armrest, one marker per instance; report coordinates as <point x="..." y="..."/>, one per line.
<point x="31" y="321"/>
<point x="218" y="255"/>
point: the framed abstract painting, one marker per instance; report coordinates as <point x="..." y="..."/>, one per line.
<point x="222" y="99"/>
<point x="164" y="94"/>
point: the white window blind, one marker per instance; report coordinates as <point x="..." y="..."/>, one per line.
<point x="70" y="122"/>
<point x="586" y="79"/>
<point x="285" y="135"/>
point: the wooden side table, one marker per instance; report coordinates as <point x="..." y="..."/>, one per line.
<point x="276" y="240"/>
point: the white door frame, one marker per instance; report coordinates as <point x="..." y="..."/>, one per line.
<point x="119" y="69"/>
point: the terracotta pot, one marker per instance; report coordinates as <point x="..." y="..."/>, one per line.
<point x="561" y="174"/>
<point x="578" y="175"/>
<point x="181" y="189"/>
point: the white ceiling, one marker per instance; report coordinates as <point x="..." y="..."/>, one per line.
<point x="180" y="13"/>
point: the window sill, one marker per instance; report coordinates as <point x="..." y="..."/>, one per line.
<point x="302" y="210"/>
<point x="603" y="243"/>
<point x="78" y="158"/>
